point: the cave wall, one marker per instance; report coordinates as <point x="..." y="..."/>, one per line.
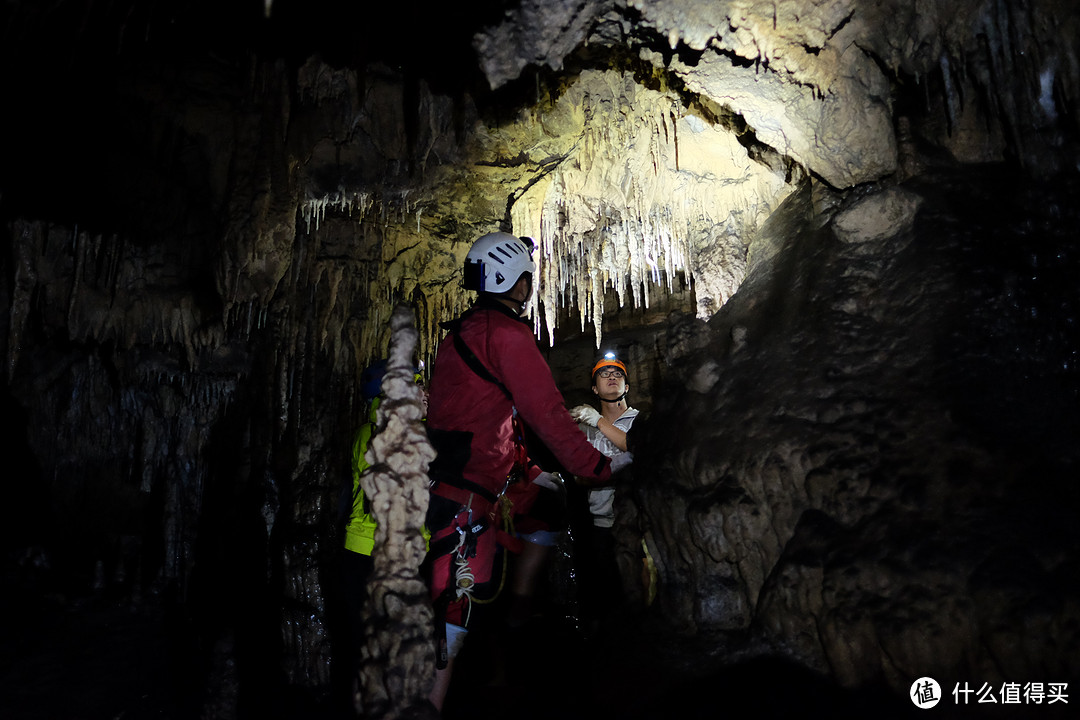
<point x="880" y="483"/>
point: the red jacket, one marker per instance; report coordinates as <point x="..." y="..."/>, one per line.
<point x="461" y="400"/>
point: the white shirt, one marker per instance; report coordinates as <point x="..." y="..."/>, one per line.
<point x="602" y="499"/>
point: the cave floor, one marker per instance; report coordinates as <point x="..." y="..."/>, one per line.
<point x="630" y="668"/>
<point x="99" y="658"/>
<point x="85" y="660"/>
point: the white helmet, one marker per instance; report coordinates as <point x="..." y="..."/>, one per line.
<point x="496" y="261"/>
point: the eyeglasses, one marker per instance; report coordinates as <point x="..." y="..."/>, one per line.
<point x="617" y="374"/>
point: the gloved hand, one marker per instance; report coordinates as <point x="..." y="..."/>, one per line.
<point x="585" y="414"/>
<point x="621" y="462"/>
<point x="551" y="481"/>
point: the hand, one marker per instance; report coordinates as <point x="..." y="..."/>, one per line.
<point x="551" y="481"/>
<point x="586" y="415"/>
<point x="621" y="462"/>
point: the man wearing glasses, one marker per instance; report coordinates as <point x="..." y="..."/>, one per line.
<point x="606" y="430"/>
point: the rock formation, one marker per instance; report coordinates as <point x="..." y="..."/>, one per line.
<point x="869" y="471"/>
<point x="399" y="657"/>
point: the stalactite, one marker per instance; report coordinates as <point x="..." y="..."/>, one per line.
<point x="313" y="209"/>
<point x="398" y="658"/>
<point x="627" y="211"/>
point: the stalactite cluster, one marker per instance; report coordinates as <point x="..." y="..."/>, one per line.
<point x="647" y="185"/>
<point x="642" y="189"/>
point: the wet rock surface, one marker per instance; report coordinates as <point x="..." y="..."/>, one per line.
<point x="881" y="482"/>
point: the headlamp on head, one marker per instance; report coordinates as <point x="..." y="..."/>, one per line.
<point x="609" y="360"/>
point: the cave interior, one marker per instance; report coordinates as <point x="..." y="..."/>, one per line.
<point x="835" y="240"/>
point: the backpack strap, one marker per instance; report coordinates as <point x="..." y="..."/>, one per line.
<point x="474" y="363"/>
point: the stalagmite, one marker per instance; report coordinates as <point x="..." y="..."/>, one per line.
<point x="398" y="660"/>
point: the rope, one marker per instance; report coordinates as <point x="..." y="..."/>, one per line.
<point x="463" y="575"/>
<point x="464" y="580"/>
<point x="505" y="508"/>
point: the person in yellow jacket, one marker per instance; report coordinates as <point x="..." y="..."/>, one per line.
<point x="360" y="528"/>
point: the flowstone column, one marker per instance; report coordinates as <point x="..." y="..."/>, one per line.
<point x="398" y="659"/>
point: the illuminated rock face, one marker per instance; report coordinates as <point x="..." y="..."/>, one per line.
<point x="876" y="484"/>
<point x="689" y="124"/>
<point x="200" y="266"/>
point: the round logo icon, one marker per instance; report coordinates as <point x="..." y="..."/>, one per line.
<point x="925" y="693"/>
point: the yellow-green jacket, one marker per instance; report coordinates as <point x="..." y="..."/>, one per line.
<point x="360" y="532"/>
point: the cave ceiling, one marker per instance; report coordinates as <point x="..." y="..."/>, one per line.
<point x="641" y="143"/>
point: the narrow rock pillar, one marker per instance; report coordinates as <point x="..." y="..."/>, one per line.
<point x="398" y="659"/>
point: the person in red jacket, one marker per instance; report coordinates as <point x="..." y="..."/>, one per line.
<point x="488" y="376"/>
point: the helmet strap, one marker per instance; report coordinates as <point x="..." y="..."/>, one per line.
<point x="519" y="305"/>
